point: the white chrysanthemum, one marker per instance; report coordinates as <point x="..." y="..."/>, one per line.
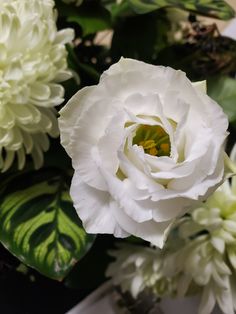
<point x="200" y="264"/>
<point x="32" y="64"/>
<point x="210" y="260"/>
<point x="217" y="216"/>
<point x="76" y="2"/>
<point x="138" y="268"/>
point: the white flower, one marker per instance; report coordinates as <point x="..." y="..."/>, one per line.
<point x="32" y="64"/>
<point x="199" y="263"/>
<point x="210" y="260"/>
<point x="217" y="216"/>
<point x="199" y="255"/>
<point x="146" y="145"/>
<point x="138" y="268"/>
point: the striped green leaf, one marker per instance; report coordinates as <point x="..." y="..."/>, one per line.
<point x="214" y="8"/>
<point x="38" y="223"/>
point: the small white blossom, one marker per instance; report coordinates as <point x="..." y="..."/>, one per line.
<point x="210" y="260"/>
<point x="199" y="264"/>
<point x="217" y="216"/>
<point x="138" y="268"/>
<point x="32" y="65"/>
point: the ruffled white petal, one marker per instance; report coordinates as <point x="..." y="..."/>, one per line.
<point x="153" y="232"/>
<point x="98" y="130"/>
<point x="95" y="208"/>
<point x="69" y="115"/>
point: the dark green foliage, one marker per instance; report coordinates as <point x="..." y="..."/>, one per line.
<point x="39" y="224"/>
<point x="215" y="8"/>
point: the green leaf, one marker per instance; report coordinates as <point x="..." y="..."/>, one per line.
<point x="39" y="224"/>
<point x="91" y="18"/>
<point x="214" y="8"/>
<point x="223" y="90"/>
<point x="80" y="67"/>
<point x="78" y="277"/>
<point x="116" y="10"/>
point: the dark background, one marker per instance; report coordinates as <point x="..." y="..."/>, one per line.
<point x="33" y="293"/>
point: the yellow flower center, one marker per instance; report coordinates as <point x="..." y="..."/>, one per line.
<point x="154" y="140"/>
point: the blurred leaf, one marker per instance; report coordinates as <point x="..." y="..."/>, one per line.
<point x="96" y="261"/>
<point x="62" y="160"/>
<point x="92" y="19"/>
<point x="140" y="37"/>
<point x="72" y="85"/>
<point x="208" y="56"/>
<point x="65" y="9"/>
<point x="79" y="277"/>
<point x="69" y="2"/>
<point x="39" y="224"/>
<point x="214" y="8"/>
<point x="223" y="90"/>
<point x="122" y="9"/>
<point x="82" y="68"/>
<point x="135" y="240"/>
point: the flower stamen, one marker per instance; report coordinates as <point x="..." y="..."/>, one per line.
<point x="154" y="140"/>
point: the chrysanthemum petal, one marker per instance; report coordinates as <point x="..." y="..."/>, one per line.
<point x="33" y="60"/>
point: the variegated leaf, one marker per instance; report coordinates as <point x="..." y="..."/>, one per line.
<point x="214" y="8"/>
<point x="38" y="223"/>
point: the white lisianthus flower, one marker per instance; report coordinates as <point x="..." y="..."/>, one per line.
<point x="146" y="145"/>
<point x="138" y="268"/>
<point x="32" y="65"/>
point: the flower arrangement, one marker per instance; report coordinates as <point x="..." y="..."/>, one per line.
<point x="199" y="256"/>
<point x="116" y="118"/>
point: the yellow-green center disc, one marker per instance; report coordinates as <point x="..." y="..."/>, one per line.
<point x="154" y="140"/>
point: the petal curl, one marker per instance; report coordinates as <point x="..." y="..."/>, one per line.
<point x="95" y="208"/>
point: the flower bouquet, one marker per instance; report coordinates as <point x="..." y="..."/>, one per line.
<point x="116" y="120"/>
